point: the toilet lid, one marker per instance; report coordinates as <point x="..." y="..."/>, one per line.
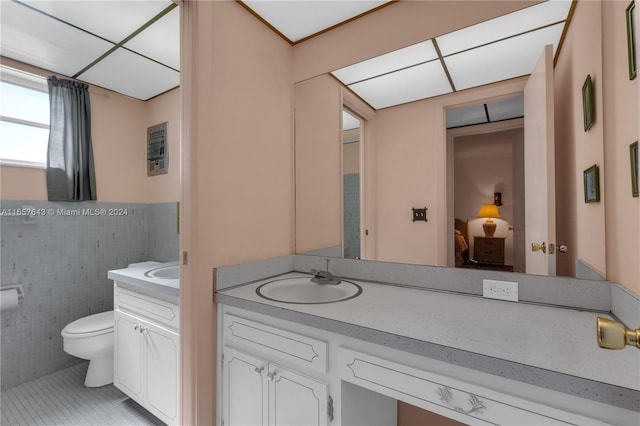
<point x="91" y="324"/>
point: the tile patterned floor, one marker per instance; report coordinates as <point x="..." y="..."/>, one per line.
<point x="61" y="399"/>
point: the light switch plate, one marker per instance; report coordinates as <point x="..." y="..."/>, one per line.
<point x="503" y="290"/>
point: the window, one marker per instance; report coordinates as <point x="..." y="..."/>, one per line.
<point x="24" y="118"/>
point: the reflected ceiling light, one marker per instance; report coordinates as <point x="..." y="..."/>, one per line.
<point x="299" y="19"/>
<point x="466" y="116"/>
<point x="513" y="57"/>
<point x="407" y="85"/>
<point x="505" y="26"/>
<point x="506" y="109"/>
<point x="349" y="121"/>
<point x="393" y="61"/>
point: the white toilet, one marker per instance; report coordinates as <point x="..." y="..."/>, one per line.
<point x="92" y="338"/>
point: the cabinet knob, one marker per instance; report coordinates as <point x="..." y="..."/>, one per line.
<point x="259" y="370"/>
<point x="271" y="376"/>
<point x="136" y="327"/>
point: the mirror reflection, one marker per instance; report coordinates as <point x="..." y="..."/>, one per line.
<point x="454" y="151"/>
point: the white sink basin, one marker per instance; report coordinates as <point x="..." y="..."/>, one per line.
<point x="171" y="272"/>
<point x="303" y="291"/>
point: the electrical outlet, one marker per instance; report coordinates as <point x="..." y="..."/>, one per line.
<point x="504" y="290"/>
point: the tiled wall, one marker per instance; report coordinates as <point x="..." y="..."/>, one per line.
<point x="62" y="259"/>
<point x="352" y="216"/>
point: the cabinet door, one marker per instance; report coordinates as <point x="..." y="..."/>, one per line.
<point x="128" y="354"/>
<point x="162" y="364"/>
<point x="295" y="399"/>
<point x="244" y="389"/>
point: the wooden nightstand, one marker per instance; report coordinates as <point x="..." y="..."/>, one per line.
<point x="489" y="250"/>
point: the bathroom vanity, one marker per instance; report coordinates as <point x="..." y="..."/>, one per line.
<point x="475" y="360"/>
<point x="146" y="335"/>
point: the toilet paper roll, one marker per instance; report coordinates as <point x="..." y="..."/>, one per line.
<point x="8" y="299"/>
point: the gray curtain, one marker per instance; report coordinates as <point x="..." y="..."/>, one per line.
<point x="70" y="170"/>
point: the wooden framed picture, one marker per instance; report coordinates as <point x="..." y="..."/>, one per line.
<point x="633" y="154"/>
<point x="592" y="185"/>
<point x="631" y="41"/>
<point x="588" y="110"/>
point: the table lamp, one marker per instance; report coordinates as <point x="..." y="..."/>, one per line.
<point x="489" y="211"/>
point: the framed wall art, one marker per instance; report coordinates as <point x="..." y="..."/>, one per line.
<point x="633" y="154"/>
<point x="592" y="185"/>
<point x="631" y="41"/>
<point x="588" y="110"/>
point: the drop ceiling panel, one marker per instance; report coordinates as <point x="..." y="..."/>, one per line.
<point x="503" y="60"/>
<point x="30" y="37"/>
<point x="466" y="116"/>
<point x="299" y="19"/>
<point x="407" y="85"/>
<point x="506" y="109"/>
<point x="113" y="20"/>
<point x="505" y="26"/>
<point x="402" y="58"/>
<point x="131" y="74"/>
<point x="160" y="41"/>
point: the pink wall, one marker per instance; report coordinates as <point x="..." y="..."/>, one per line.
<point x="621" y="114"/>
<point x="119" y="125"/>
<point x="577" y="150"/>
<point x="238" y="175"/>
<point x="318" y="110"/>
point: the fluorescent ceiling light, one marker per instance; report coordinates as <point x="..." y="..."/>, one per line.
<point x="503" y="60"/>
<point x="466" y="116"/>
<point x="402" y="58"/>
<point x="98" y="17"/>
<point x="504" y="26"/>
<point x="349" y="121"/>
<point x="506" y="109"/>
<point x="35" y="39"/>
<point x="129" y="73"/>
<point x="407" y="85"/>
<point x="160" y="41"/>
<point x="299" y="19"/>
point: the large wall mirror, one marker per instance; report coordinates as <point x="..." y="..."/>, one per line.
<point x="455" y="124"/>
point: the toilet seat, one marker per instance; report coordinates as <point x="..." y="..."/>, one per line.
<point x="92" y="325"/>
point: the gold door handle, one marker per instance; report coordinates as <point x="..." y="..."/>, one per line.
<point x="613" y="335"/>
<point x="537" y="247"/>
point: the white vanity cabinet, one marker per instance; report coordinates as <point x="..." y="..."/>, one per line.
<point x="264" y="380"/>
<point x="258" y="392"/>
<point x="146" y="357"/>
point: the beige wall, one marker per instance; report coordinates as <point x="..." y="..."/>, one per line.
<point x="238" y="186"/>
<point x="119" y="135"/>
<point x="351" y="158"/>
<point x="621" y="114"/>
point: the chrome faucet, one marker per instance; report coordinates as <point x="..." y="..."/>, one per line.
<point x="324" y="277"/>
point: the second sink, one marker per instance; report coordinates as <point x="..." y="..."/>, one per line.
<point x="301" y="290"/>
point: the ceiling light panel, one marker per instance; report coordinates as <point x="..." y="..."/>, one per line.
<point x="349" y="121"/>
<point x="407" y="85"/>
<point x="160" y="41"/>
<point x="503" y="60"/>
<point x="466" y="116"/>
<point x="506" y="109"/>
<point x="505" y="26"/>
<point x="132" y="75"/>
<point x="402" y="58"/>
<point x="33" y="38"/>
<point x="299" y="19"/>
<point x="98" y="17"/>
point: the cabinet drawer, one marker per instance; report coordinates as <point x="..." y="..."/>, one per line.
<point x="158" y="311"/>
<point x="267" y="341"/>
<point x="465" y="402"/>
